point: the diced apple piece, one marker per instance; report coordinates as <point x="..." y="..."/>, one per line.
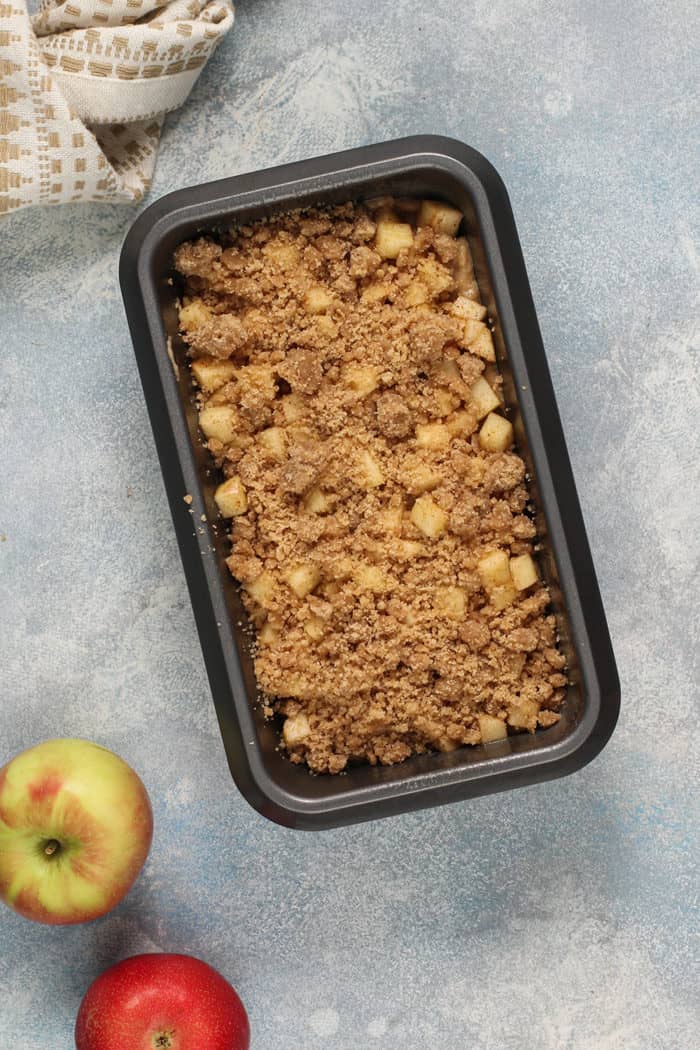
<point x="462" y="423"/>
<point x="299" y="434"/>
<point x="446" y="744"/>
<point x="315" y="628"/>
<point x="376" y="292"/>
<point x="482" y="346"/>
<point x="317" y="300"/>
<point x="219" y="421"/>
<point x="469" y="309"/>
<point x="316" y="501"/>
<point x="524" y="572"/>
<point x="422" y="478"/>
<point x="293" y="407"/>
<point x="494" y="570"/>
<point x="212" y="373"/>
<point x="436" y="277"/>
<point x="274" y="440"/>
<point x="194" y="315"/>
<point x="261" y="589"/>
<point x="231" y="498"/>
<point x="483" y="398"/>
<point x="391" y="518"/>
<point x="291" y="683"/>
<point x="409" y="549"/>
<point x="450" y="602"/>
<point x="432" y="435"/>
<point x="496" y="434"/>
<point x="326" y="326"/>
<point x="447" y="371"/>
<point x="491" y="374"/>
<point x="302" y="579"/>
<point x="464" y="270"/>
<point x="370" y="470"/>
<point x="268" y="633"/>
<point x="342" y="568"/>
<point x="442" y="217"/>
<point x="415" y="294"/>
<point x="296" y="730"/>
<point x="282" y="254"/>
<point x="370" y="578"/>
<point x="502" y="597"/>
<point x="523" y="715"/>
<point x="492" y="728"/>
<point x="477" y="338"/>
<point x="392" y="237"/>
<point x="361" y="379"/>
<point x="427" y="516"/>
<point x="471" y="329"/>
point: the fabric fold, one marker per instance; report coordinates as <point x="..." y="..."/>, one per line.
<point x="84" y="86"/>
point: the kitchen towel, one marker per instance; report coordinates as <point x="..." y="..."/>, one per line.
<point x="84" y="87"/>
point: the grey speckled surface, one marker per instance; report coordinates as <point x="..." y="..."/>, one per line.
<point x="560" y="916"/>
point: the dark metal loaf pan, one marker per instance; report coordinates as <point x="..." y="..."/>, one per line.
<point x="287" y="793"/>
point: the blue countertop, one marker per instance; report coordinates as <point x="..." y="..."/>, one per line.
<point x="557" y="916"/>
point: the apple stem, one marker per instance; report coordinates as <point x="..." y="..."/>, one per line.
<point x="51" y="847"/>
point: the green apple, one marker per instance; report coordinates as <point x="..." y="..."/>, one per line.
<point x="75" y="829"/>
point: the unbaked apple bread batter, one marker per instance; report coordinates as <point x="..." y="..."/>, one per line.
<point x="349" y="395"/>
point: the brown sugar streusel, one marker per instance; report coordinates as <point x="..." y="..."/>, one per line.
<point x="349" y="395"/>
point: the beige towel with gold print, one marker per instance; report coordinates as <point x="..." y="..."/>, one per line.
<point x="84" y="87"/>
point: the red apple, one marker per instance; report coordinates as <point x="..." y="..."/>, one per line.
<point x="161" y="1002"/>
<point x="75" y="829"/>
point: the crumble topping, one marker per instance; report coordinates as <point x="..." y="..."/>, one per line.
<point x="348" y="394"/>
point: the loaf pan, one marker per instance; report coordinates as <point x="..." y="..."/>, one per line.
<point x="287" y="793"/>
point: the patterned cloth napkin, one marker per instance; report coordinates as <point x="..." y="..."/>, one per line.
<point x="84" y="87"/>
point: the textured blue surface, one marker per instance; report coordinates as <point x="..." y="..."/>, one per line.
<point x="559" y="916"/>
